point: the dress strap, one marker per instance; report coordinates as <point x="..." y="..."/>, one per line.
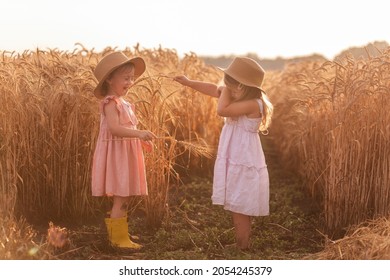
<point x="260" y="102"/>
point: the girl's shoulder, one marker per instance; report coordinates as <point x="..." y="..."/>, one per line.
<point x="256" y="106"/>
<point x="106" y="100"/>
<point x="109" y="98"/>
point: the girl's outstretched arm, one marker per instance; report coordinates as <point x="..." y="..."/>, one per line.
<point x="207" y="88"/>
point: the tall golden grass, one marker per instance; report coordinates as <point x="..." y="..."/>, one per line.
<point x="49" y="125"/>
<point x="332" y="123"/>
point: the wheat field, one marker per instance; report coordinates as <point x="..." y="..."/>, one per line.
<point x="50" y="122"/>
<point x="336" y="132"/>
<point x="331" y="126"/>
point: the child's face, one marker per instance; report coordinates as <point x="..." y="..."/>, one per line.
<point x="121" y="80"/>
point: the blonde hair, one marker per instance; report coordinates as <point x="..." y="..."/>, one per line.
<point x="253" y="93"/>
<point x="106" y="86"/>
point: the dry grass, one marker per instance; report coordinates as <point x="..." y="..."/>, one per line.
<point x="365" y="241"/>
<point x="16" y="240"/>
<point x="332" y="125"/>
<point x="49" y="124"/>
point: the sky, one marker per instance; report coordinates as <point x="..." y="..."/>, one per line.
<point x="267" y="28"/>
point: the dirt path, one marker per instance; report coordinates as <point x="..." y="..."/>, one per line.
<point x="196" y="229"/>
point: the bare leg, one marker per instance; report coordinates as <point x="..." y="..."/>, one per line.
<point x="242" y="226"/>
<point x="119" y="207"/>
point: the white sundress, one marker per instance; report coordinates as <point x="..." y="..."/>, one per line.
<point x="241" y="181"/>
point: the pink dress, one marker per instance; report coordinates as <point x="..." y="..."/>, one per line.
<point x="241" y="182"/>
<point x="118" y="163"/>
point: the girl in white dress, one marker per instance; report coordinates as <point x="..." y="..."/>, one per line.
<point x="241" y="182"/>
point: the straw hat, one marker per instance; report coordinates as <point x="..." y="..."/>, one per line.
<point x="111" y="62"/>
<point x="246" y="71"/>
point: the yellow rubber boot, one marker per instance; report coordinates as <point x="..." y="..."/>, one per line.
<point x="118" y="233"/>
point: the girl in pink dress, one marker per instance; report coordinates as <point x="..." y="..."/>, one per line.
<point x="241" y="182"/>
<point x="118" y="168"/>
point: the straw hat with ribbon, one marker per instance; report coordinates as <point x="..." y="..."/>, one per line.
<point x="111" y="62"/>
<point x="246" y="71"/>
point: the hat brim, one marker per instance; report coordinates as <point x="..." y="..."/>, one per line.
<point x="239" y="79"/>
<point x="139" y="69"/>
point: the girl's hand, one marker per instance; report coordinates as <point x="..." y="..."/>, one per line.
<point x="147" y="145"/>
<point x="146" y="135"/>
<point x="182" y="80"/>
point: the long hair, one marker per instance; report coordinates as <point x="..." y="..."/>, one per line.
<point x="253" y="93"/>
